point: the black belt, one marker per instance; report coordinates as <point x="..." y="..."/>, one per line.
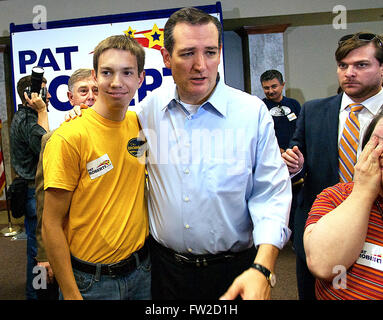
<point x="114" y="269"/>
<point x="202" y="260"/>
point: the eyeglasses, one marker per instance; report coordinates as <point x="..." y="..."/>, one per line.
<point x="362" y="37"/>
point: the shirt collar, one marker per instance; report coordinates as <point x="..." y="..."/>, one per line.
<point x="373" y="104"/>
<point x="216" y="100"/>
<point x="173" y="100"/>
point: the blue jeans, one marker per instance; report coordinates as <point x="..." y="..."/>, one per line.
<point x="30" y="223"/>
<point x="132" y="286"/>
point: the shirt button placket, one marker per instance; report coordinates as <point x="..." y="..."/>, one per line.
<point x="186" y="196"/>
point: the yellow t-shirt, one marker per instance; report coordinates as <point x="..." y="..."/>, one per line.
<point x="99" y="160"/>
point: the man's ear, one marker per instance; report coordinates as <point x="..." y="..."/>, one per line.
<point x="166" y="57"/>
<point x="70" y="96"/>
<point x="141" y="78"/>
<point x="94" y="75"/>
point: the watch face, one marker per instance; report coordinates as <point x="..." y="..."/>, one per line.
<point x="273" y="280"/>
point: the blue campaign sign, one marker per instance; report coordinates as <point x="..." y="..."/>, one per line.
<point x="67" y="45"/>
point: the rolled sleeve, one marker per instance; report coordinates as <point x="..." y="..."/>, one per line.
<point x="269" y="231"/>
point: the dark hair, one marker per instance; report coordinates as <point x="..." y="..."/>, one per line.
<point x="191" y="16"/>
<point x="371" y="127"/>
<point x="24" y="83"/>
<point x="345" y="47"/>
<point x="270" y="75"/>
<point x="122" y="42"/>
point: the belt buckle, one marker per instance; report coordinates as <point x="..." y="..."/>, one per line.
<point x="112" y="268"/>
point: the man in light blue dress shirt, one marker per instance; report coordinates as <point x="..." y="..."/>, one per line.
<point x="219" y="192"/>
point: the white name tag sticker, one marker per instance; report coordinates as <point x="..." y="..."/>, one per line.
<point x="371" y="256"/>
<point x="292" y="116"/>
<point x="99" y="167"/>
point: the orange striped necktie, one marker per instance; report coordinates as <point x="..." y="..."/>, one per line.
<point x="348" y="145"/>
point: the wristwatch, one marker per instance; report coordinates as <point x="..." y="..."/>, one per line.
<point x="271" y="278"/>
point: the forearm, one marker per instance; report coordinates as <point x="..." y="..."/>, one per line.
<point x="42" y="119"/>
<point x="41" y="253"/>
<point x="267" y="256"/>
<point x="338" y="237"/>
<point x="58" y="254"/>
<point x="56" y="205"/>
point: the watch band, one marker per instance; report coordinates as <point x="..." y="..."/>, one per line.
<point x="266" y="272"/>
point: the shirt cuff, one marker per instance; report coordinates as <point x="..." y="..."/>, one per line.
<point x="292" y="175"/>
<point x="272" y="232"/>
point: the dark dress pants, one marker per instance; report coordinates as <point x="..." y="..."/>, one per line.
<point x="173" y="280"/>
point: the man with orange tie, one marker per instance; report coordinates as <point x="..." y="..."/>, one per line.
<point x="326" y="141"/>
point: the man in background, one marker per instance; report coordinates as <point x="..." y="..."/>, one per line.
<point x="29" y="124"/>
<point x="82" y="88"/>
<point x="285" y="112"/>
